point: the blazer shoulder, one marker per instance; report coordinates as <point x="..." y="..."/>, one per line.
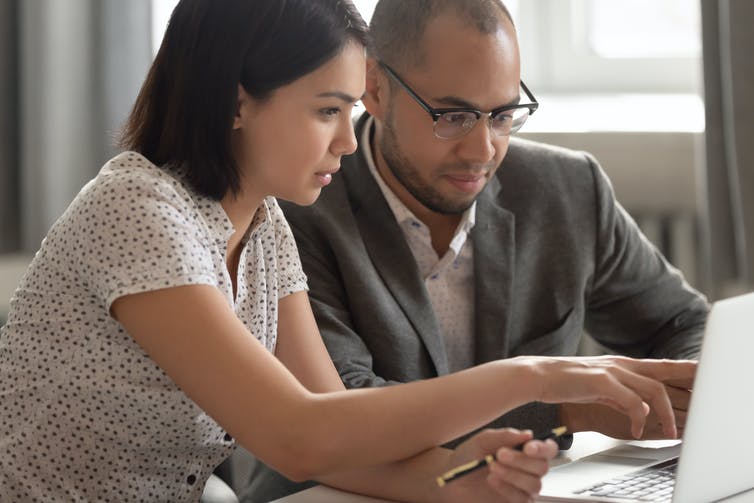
<point x="548" y="173"/>
<point x="536" y="155"/>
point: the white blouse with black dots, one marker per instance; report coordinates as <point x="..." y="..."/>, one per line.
<point x="85" y="414"/>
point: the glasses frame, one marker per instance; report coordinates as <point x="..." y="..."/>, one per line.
<point x="436" y="113"/>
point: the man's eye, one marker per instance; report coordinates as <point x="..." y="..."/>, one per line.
<point x="455" y="118"/>
<point x="503" y="117"/>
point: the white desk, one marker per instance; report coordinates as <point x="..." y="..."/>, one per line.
<point x="584" y="444"/>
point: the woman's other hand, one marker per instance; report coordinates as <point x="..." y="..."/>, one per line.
<point x="516" y="476"/>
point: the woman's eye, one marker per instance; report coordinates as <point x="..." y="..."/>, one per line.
<point x="330" y="112"/>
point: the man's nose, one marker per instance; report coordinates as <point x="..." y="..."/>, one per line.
<point x="478" y="145"/>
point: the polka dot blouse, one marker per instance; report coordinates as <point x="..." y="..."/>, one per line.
<point x="85" y="414"/>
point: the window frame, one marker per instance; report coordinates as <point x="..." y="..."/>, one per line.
<point x="564" y="62"/>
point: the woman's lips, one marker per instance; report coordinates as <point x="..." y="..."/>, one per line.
<point x="325" y="177"/>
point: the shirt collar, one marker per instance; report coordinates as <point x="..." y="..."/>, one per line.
<point x="213" y="213"/>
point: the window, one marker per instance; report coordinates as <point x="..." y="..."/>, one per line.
<point x="366" y="7"/>
<point x="669" y="29"/>
<point x="594" y="63"/>
<point x="161" y="10"/>
<point x="635" y="46"/>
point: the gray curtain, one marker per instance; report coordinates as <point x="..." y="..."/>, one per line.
<point x="729" y="189"/>
<point x="9" y="224"/>
<point x="71" y="70"/>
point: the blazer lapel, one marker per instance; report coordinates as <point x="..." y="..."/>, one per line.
<point x="390" y="253"/>
<point x="494" y="258"/>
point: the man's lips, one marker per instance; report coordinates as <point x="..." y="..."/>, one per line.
<point x="467" y="183"/>
<point x="466" y="178"/>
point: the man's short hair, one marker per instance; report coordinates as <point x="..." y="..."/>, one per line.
<point x="397" y="26"/>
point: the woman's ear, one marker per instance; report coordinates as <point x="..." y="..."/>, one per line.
<point x="243" y="101"/>
<point x="376" y="90"/>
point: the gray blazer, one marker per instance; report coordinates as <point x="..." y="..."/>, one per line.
<point x="554" y="255"/>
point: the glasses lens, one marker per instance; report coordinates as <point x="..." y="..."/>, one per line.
<point x="453" y="124"/>
<point x="509" y="121"/>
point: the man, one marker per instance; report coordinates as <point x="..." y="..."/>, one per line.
<point x="445" y="243"/>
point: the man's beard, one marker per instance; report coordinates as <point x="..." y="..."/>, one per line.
<point x="407" y="174"/>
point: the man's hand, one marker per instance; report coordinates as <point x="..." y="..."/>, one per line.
<point x="515" y="477"/>
<point x="605" y="420"/>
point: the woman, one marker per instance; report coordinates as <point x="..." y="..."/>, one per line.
<point x="165" y="316"/>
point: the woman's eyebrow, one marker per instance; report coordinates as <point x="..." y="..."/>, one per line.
<point x="340" y="95"/>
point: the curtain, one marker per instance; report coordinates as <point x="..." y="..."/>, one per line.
<point x="729" y="175"/>
<point x="70" y="71"/>
<point x="9" y="225"/>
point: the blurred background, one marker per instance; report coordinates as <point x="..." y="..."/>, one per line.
<point x="659" y="90"/>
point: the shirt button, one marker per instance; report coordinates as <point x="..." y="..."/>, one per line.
<point x="191" y="480"/>
<point x="228" y="438"/>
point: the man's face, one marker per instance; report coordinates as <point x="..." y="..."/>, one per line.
<point x="461" y="68"/>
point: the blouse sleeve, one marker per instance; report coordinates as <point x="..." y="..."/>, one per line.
<point x="134" y="233"/>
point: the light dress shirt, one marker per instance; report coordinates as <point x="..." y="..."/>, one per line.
<point x="449" y="279"/>
<point x="85" y="414"/>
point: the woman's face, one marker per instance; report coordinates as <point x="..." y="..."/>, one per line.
<point x="290" y="144"/>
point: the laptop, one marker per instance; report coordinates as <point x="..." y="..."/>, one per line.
<point x="714" y="461"/>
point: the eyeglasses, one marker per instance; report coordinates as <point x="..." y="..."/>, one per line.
<point x="450" y="123"/>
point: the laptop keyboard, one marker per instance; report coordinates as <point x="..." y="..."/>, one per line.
<point x="654" y="483"/>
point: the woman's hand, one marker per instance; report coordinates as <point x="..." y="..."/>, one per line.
<point x="632" y="387"/>
<point x="516" y="476"/>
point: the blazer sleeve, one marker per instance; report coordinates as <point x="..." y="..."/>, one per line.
<point x="639" y="305"/>
<point x="329" y="297"/>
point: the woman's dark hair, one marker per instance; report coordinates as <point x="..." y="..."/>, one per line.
<point x="184" y="113"/>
